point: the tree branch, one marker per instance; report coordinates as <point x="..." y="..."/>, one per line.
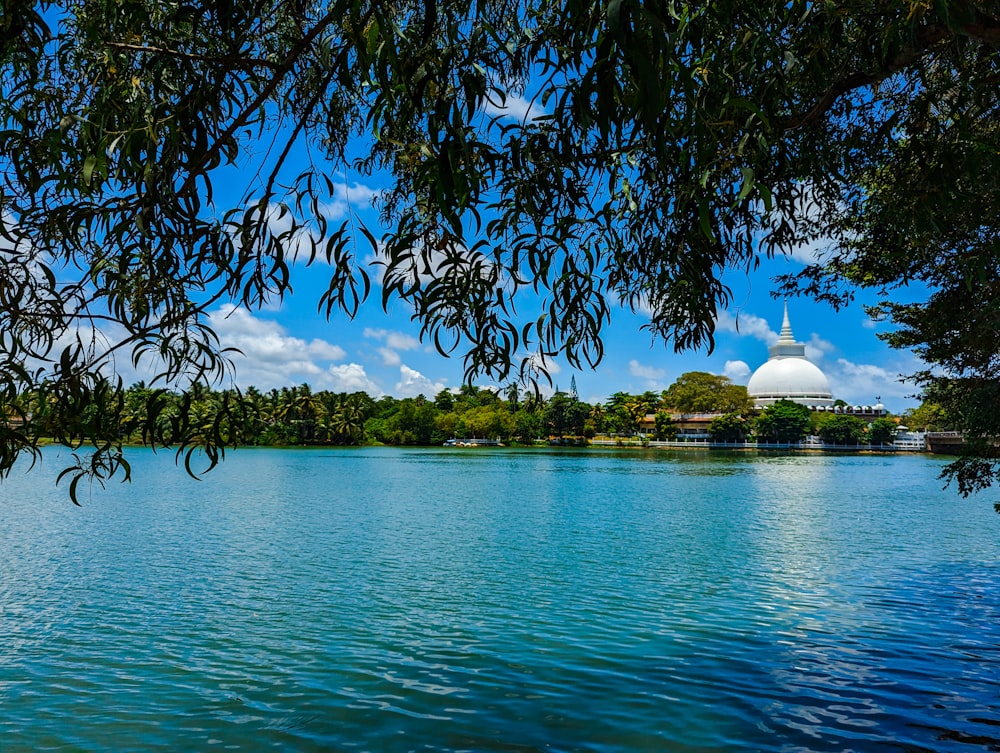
<point x="928" y="37"/>
<point x="233" y="61"/>
<point x="281" y="71"/>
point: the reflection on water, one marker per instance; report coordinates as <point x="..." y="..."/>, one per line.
<point x="502" y="600"/>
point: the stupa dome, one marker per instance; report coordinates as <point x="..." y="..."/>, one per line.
<point x="789" y="375"/>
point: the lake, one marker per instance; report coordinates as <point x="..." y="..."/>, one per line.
<point x="501" y="600"/>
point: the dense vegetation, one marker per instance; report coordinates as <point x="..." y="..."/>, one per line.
<point x="662" y="145"/>
<point x="298" y="416"/>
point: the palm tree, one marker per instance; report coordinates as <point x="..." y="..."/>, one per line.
<point x="348" y="420"/>
<point x="513" y="395"/>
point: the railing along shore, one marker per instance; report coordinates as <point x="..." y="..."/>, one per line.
<point x="709" y="445"/>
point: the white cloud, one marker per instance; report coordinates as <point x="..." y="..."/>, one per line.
<point x="390" y="357"/>
<point x="552" y="367"/>
<point x="737" y="371"/>
<point x="19" y="245"/>
<point x="646" y="372"/>
<point x="653" y="376"/>
<point x="427" y="264"/>
<point x="812" y="252"/>
<point x="641" y="304"/>
<point x="534" y="364"/>
<point x="303" y="243"/>
<point x="412" y="383"/>
<point x="746" y="324"/>
<point x="514" y="107"/>
<point x="349" y="377"/>
<point x="817" y="347"/>
<point x="868" y="323"/>
<point x="280" y="222"/>
<point x="865" y="384"/>
<point x="269" y="357"/>
<point x="394" y="342"/>
<point x="97" y="343"/>
<point x="348" y="200"/>
<point x="754" y="326"/>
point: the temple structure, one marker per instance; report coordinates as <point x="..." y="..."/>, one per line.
<point x="789" y="375"/>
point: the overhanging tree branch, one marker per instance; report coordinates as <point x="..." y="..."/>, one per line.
<point x="228" y="61"/>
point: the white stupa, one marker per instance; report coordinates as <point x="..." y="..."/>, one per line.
<point x="789" y="375"/>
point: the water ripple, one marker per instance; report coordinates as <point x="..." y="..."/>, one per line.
<point x="434" y="601"/>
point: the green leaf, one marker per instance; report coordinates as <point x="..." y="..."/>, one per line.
<point x="89" y="164"/>
<point x="748" y="184"/>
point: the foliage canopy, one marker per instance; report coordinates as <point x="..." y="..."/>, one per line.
<point x="701" y="392"/>
<point x="841" y="430"/>
<point x="667" y="142"/>
<point x="784" y="422"/>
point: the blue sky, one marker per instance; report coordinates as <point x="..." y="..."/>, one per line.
<point x="380" y="352"/>
<point x="289" y="342"/>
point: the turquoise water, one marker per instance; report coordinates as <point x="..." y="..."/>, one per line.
<point x="492" y="600"/>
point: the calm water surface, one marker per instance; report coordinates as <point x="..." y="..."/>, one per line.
<point x="489" y="600"/>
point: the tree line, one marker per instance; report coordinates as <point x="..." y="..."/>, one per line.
<point x="301" y="416"/>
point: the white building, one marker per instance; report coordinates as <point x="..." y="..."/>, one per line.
<point x="789" y="375"/>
